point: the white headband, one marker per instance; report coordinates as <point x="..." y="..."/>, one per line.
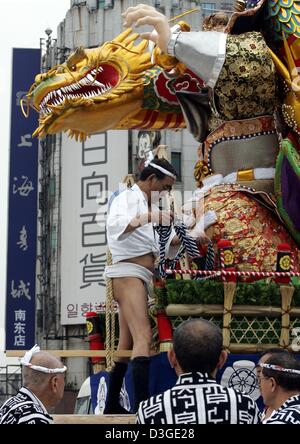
<point x="27" y="358"/>
<point x="279" y="368"/>
<point x="163" y="170"/>
<point x="148" y="162"/>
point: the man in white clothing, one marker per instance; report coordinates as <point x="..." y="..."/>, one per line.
<point x="133" y="243"/>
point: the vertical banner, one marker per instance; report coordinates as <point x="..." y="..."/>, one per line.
<point x="91" y="172"/>
<point x="22" y="213"/>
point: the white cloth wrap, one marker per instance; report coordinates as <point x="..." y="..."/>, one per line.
<point x="203" y="52"/>
<point x="129" y="269"/>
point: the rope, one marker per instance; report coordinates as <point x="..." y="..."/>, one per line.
<point x="109" y="319"/>
<point x="255" y="274"/>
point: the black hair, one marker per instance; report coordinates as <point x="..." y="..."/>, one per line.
<point x="149" y="170"/>
<point x="197" y="345"/>
<point x="273" y="351"/>
<point x="287" y="381"/>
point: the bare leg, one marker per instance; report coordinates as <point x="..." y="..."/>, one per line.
<point x="125" y="338"/>
<point x="131" y="296"/>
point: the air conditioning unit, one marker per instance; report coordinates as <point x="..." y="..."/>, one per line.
<point x="158" y="3"/>
<point x="176" y="4"/>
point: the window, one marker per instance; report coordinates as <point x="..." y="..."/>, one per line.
<point x="227" y="7"/>
<point x="208" y="8"/>
<point x="176" y="162"/>
<point x="106" y="4"/>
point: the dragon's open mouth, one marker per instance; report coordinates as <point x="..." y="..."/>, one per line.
<point x="95" y="83"/>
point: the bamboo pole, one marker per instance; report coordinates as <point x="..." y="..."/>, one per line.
<point x="233" y="348"/>
<point x="287" y="292"/>
<point x="229" y="292"/>
<point x="72" y="353"/>
<point x="214" y="309"/>
<point x="94" y="419"/>
<point x="252" y="348"/>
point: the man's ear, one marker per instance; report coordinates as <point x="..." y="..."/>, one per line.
<point x="274" y="384"/>
<point x="151" y="177"/>
<point x="172" y="358"/>
<point x="222" y="359"/>
<point x="53" y="383"/>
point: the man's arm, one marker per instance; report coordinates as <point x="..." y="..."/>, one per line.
<point x="203" y="52"/>
<point x="157" y="217"/>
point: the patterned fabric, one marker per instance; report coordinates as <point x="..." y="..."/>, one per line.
<point x="242" y="133"/>
<point x="198" y="399"/>
<point x="24" y="408"/>
<point x="164" y="233"/>
<point x="246" y="85"/>
<point x="188" y="244"/>
<point x="288" y="413"/>
<point x="255" y="232"/>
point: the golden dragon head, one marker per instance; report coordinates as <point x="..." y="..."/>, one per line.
<point x="93" y="90"/>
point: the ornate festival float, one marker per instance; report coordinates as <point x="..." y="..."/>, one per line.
<point x="247" y="195"/>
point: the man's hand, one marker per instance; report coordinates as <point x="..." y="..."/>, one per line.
<point x="147" y="15"/>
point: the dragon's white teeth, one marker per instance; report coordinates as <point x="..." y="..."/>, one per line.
<point x="100" y="69"/>
<point x="99" y="84"/>
<point x="90" y="78"/>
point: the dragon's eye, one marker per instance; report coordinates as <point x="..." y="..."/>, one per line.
<point x="73" y="68"/>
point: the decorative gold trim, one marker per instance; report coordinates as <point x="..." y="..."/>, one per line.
<point x="245" y="175"/>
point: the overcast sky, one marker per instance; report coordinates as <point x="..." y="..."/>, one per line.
<point x="23" y="23"/>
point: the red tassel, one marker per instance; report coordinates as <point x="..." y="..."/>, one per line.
<point x="164" y="326"/>
<point x="94" y="334"/>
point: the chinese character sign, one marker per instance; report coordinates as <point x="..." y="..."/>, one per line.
<point x="91" y="172"/>
<point x="22" y="218"/>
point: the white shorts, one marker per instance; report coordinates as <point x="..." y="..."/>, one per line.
<point x="129" y="269"/>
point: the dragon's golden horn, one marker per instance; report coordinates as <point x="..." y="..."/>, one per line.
<point x="123" y="35"/>
<point x="142" y="46"/>
<point x="281" y="68"/>
<point x="76" y="57"/>
<point x="131" y="38"/>
<point x="239" y="5"/>
<point x="293" y="71"/>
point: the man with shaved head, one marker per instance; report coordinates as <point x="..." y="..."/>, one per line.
<point x="196" y="398"/>
<point x="43" y="388"/>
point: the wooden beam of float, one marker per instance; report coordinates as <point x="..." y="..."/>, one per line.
<point x="94" y="419"/>
<point x="214" y="309"/>
<point x="72" y="353"/>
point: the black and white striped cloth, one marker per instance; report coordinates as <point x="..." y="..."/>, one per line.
<point x="288" y="412"/>
<point x="24" y="408"/>
<point x="188" y="244"/>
